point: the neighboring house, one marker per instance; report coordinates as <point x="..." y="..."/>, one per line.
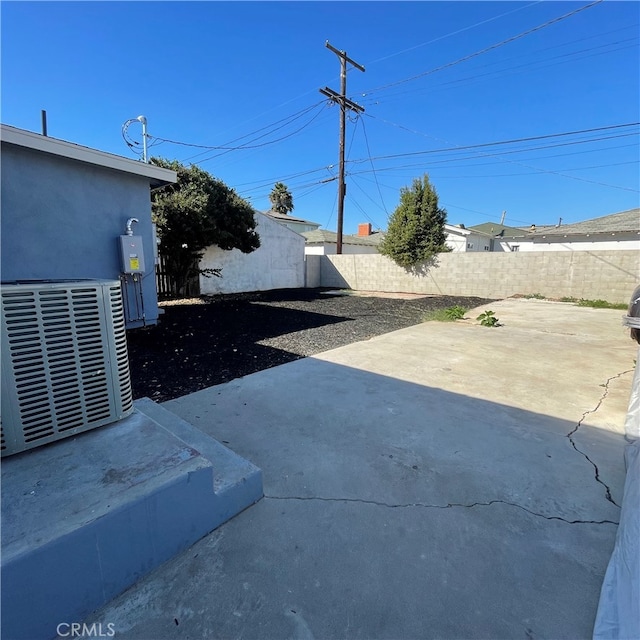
<point x="64" y="208"/>
<point x="618" y="231"/>
<point x="322" y="242"/>
<point x="277" y="264"/>
<point x="503" y="237"/>
<point x="460" y="239"/>
<point x="295" y="224"/>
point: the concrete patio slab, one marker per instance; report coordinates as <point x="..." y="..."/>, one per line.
<point x="442" y="481"/>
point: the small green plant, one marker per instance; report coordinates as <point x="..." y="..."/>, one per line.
<point x="455" y="313"/>
<point x="568" y="299"/>
<point x="488" y="319"/>
<point x="536" y="296"/>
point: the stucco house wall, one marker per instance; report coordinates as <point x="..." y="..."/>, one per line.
<point x="461" y="240"/>
<point x="330" y="248"/>
<point x="619" y="242"/>
<point x="277" y="264"/>
<point x="62" y="217"/>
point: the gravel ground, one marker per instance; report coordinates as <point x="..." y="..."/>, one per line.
<point x="201" y="342"/>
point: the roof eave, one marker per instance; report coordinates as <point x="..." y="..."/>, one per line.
<point x="158" y="176"/>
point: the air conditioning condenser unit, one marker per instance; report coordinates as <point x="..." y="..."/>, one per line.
<point x="65" y="367"/>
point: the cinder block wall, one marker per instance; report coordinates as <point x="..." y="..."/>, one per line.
<point x="594" y="275"/>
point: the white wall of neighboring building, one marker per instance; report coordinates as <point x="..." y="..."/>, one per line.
<point x="277" y="264"/>
<point x="330" y="248"/>
<point x="456" y="243"/>
<point x="512" y="244"/>
<point x="625" y="242"/>
<point x="463" y="240"/>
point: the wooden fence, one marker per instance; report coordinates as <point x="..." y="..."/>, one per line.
<point x="167" y="286"/>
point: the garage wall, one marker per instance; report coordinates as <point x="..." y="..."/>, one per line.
<point x="277" y="264"/>
<point x="595" y="275"/>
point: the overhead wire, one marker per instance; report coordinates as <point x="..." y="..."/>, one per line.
<point x="364" y="130"/>
<point x="511" y="141"/>
<point x="272" y="129"/>
<point x="498" y="73"/>
<point x="535" y="171"/>
<point x="536" y="61"/>
<point x="452" y="33"/>
<point x="486" y="49"/>
<point x="482" y="164"/>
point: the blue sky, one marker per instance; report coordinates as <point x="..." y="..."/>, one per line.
<point x="248" y="74"/>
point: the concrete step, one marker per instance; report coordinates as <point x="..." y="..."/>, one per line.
<point x="86" y="517"/>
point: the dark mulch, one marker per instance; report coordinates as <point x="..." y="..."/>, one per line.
<point x="203" y="342"/>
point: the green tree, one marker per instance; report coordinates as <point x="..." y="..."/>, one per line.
<point x="416" y="228"/>
<point x="196" y="212"/>
<point x="281" y="199"/>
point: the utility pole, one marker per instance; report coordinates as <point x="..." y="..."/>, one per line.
<point x="345" y="104"/>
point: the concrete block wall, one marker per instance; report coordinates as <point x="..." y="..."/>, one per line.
<point x="595" y="275"/>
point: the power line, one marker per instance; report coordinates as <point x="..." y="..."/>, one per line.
<point x="264" y="144"/>
<point x="535" y="171"/>
<point x="248" y="145"/>
<point x="502" y="73"/>
<point x="366" y="139"/>
<point x="453" y="33"/>
<point x="512" y="141"/>
<point x="501" y="153"/>
<point x="534" y="54"/>
<point x="486" y="164"/>
<point x="486" y="49"/>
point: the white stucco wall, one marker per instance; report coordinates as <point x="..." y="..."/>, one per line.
<point x="329" y="249"/>
<point x="460" y="243"/>
<point x="619" y="242"/>
<point x="277" y="264"/>
<point x="457" y="244"/>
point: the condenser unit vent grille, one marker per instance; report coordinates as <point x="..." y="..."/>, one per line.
<point x="65" y="367"/>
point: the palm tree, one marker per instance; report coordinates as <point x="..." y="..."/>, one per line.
<point x="281" y="199"/>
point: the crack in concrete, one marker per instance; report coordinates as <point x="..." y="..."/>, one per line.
<point x="449" y="505"/>
<point x="608" y="495"/>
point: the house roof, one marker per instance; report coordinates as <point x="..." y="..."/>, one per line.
<point x="464" y="231"/>
<point x="283" y="217"/>
<point x="625" y="221"/>
<point x="321" y="236"/>
<point x="494" y="230"/>
<point x="158" y="176"/>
